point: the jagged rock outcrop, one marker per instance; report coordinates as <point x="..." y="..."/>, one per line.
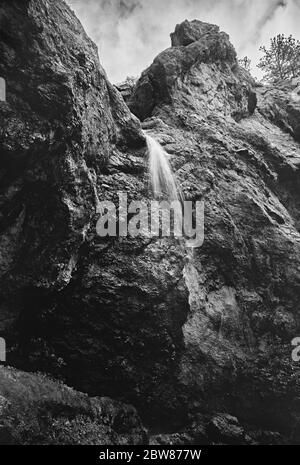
<point x="281" y="104"/>
<point x="37" y="410"/>
<point x="126" y="88"/>
<point x="201" y="58"/>
<point x="137" y="319"/>
<point x="231" y="148"/>
<point x="61" y="122"/>
<point x="192" y="31"/>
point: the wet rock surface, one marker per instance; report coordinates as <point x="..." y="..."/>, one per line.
<point x="137" y="319"/>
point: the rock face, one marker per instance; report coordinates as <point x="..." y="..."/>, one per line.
<point x="196" y="47"/>
<point x="37" y="410"/>
<point x="126" y="88"/>
<point x="281" y="105"/>
<point x="104" y="314"/>
<point x="136" y="318"/>
<point x="234" y="148"/>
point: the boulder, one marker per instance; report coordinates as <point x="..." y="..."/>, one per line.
<point x="206" y="64"/>
<point x="191" y="31"/>
<point x="226" y="429"/>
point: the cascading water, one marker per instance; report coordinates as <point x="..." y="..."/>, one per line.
<point x="163" y="181"/>
<point x="162" y="178"/>
<point x="164" y="186"/>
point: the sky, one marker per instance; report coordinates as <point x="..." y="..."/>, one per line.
<point x="130" y="33"/>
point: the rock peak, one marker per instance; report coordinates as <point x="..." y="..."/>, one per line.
<point x="200" y="54"/>
<point x="188" y="32"/>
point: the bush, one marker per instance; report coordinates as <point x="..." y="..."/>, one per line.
<point x="282" y="60"/>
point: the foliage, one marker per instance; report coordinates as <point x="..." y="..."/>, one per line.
<point x="131" y="80"/>
<point x="282" y="60"/>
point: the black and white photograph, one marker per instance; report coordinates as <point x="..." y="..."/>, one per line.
<point x="149" y="229"/>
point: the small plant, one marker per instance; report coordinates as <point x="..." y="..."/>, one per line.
<point x="131" y="80"/>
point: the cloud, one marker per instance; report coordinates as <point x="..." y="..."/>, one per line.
<point x="130" y="33"/>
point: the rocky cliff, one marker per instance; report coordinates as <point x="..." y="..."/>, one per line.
<point x="200" y="345"/>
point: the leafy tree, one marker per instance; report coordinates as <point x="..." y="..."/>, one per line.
<point x="282" y="60"/>
<point x="131" y="80"/>
<point x="245" y="63"/>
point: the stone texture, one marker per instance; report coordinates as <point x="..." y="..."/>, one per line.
<point x="281" y="104"/>
<point x="225" y="429"/>
<point x="106" y="315"/>
<point x="139" y="319"/>
<point x="230" y="148"/>
<point x="191" y="31"/>
<point x="207" y="66"/>
<point x="126" y="88"/>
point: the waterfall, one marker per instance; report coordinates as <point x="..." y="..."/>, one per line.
<point x="164" y="186"/>
<point x="162" y="178"/>
<point x="163" y="181"/>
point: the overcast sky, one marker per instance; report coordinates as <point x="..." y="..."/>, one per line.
<point x="130" y="33"/>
